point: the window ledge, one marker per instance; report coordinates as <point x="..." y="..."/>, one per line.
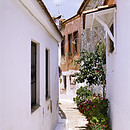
<point x="34" y="108"/>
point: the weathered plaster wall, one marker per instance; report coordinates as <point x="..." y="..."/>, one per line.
<point x="70" y="28"/>
<point x="18" y="28"/>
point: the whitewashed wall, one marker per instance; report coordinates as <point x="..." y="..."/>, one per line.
<point x="17" y="28"/>
<point x="118" y="70"/>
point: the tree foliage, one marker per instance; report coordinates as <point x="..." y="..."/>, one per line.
<point x="92" y="66"/>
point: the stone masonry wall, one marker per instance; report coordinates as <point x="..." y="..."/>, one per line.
<point x="90" y="38"/>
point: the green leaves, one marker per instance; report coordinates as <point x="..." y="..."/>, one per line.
<point x="94" y="108"/>
<point x="82" y="94"/>
<point x="96" y="112"/>
<point x="92" y="66"/>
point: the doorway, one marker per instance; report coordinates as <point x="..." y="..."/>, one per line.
<point x="65" y="85"/>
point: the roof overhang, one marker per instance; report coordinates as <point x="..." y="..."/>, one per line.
<point x="101" y="16"/>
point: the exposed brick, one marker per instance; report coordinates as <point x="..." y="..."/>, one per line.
<point x="69" y="27"/>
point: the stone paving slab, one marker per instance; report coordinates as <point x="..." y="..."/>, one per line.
<point x="73" y="119"/>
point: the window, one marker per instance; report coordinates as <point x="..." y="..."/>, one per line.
<point x="33" y="73"/>
<point x="76" y="42"/>
<point x="47" y="74"/>
<point x="70" y="43"/>
<point x="64" y="80"/>
<point x="63" y="47"/>
<point x="34" y="76"/>
<point x="111" y="46"/>
<point x="84" y="18"/>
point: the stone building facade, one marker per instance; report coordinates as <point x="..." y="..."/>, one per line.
<point x="86" y="37"/>
<point x="70" y="47"/>
<point x="70" y="51"/>
<point x="89" y="38"/>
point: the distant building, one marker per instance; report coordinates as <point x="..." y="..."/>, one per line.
<point x="29" y="73"/>
<point x="73" y="30"/>
<point x="91" y="31"/>
<point x="70" y="50"/>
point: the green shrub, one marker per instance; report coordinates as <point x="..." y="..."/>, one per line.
<point x="82" y="95"/>
<point x="96" y="111"/>
<point x="94" y="108"/>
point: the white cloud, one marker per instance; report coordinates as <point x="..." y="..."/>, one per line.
<point x="57" y="1"/>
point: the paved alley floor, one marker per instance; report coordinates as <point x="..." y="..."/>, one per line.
<point x="69" y="117"/>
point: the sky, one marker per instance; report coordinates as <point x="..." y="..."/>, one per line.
<point x="67" y="8"/>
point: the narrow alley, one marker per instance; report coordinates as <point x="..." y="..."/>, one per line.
<point x="65" y="65"/>
<point x="69" y="116"/>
